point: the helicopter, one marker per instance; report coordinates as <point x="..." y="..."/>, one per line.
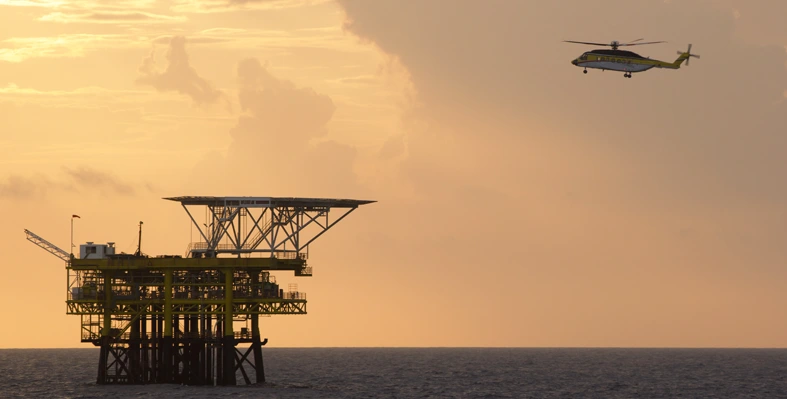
<point x="625" y="61"/>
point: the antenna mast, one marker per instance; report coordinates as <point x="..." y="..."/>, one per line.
<point x="139" y="245"/>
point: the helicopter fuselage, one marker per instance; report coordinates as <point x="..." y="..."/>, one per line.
<point x="620" y="60"/>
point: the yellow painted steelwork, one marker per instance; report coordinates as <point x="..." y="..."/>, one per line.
<point x="228" y="302"/>
<point x="173" y="319"/>
<point x="168" y="303"/>
<point x="296" y="265"/>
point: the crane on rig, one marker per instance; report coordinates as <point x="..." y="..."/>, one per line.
<point x="48" y="246"/>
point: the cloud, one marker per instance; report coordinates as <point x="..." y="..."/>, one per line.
<point x="483" y="82"/>
<point x="267" y="99"/>
<point x="361" y="80"/>
<point x="32" y="3"/>
<point x="760" y="23"/>
<point x="212" y="6"/>
<point x="18" y="49"/>
<point x="577" y="184"/>
<point x="280" y="142"/>
<point x="394" y="147"/>
<point x="112" y="4"/>
<point x="80" y="180"/>
<point x="87" y="179"/>
<point x="292" y="120"/>
<point x="21" y="188"/>
<point x="63" y="46"/>
<point x="276" y="4"/>
<point x="85" y="97"/>
<point x="167" y="39"/>
<point x="112" y="17"/>
<point x="179" y="75"/>
<point x="281" y="41"/>
<point x="80" y="4"/>
<point x="222" y="31"/>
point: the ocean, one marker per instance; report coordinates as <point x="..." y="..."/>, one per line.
<point x="434" y="373"/>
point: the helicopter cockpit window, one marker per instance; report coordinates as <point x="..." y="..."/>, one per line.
<point x="584" y="57"/>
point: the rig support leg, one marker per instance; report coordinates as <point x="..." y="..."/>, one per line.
<point x="255" y="336"/>
<point x="166" y="342"/>
<point x="106" y="330"/>
<point x="102" y="361"/>
<point x="228" y="344"/>
<point x="132" y="354"/>
<point x="228" y="341"/>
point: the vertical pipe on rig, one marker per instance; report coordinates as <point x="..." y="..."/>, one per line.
<point x="229" y="335"/>
<point x="166" y="342"/>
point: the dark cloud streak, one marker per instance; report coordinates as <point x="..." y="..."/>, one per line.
<point x="86" y="178"/>
<point x="80" y="180"/>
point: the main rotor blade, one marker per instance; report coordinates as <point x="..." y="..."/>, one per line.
<point x="638" y="44"/>
<point x="594" y="44"/>
<point x="634" y="41"/>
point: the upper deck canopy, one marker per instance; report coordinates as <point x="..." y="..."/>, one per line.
<point x="270" y="202"/>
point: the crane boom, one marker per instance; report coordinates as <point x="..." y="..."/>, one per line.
<point x="48" y="246"/>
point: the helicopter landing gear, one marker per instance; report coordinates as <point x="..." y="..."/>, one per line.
<point x="585" y="71"/>
<point x="627" y="75"/>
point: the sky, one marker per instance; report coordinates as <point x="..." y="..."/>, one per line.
<point x="521" y="203"/>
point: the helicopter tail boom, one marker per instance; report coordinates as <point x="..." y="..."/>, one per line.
<point x="683" y="56"/>
<point x="678" y="62"/>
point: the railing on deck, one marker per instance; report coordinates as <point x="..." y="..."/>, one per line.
<point x="295" y="295"/>
<point x="115" y="333"/>
<point x="76" y="295"/>
<point x="203" y="246"/>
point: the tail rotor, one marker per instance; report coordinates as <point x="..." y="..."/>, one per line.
<point x="688" y="54"/>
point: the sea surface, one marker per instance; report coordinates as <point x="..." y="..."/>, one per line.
<point x="434" y="373"/>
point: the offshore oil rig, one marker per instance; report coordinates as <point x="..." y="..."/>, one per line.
<point x="179" y="319"/>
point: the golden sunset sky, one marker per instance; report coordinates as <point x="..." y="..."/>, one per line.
<point x="521" y="203"/>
